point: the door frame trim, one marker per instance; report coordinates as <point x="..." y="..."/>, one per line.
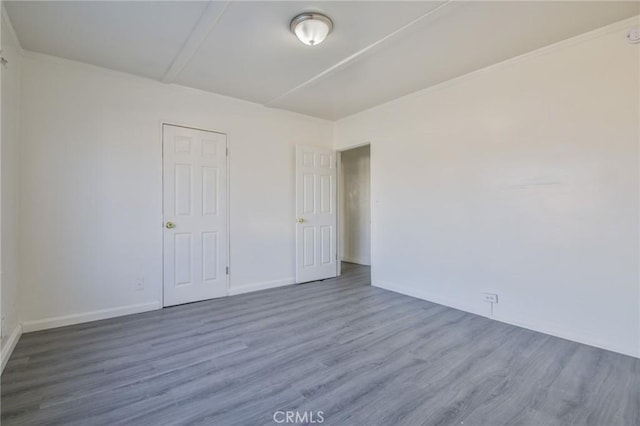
<point x="341" y="205"/>
<point x="228" y="197"/>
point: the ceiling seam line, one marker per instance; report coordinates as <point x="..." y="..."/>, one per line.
<point x="208" y="20"/>
<point x="345" y="62"/>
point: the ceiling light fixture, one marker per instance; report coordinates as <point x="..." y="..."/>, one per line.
<point x="311" y="28"/>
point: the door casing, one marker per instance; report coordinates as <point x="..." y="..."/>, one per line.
<point x="340" y="226"/>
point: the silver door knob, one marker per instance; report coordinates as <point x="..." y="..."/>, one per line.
<point x="170" y="225"/>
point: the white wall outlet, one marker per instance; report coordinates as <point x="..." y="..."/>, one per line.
<point x="139" y="284"/>
<point x="491" y="297"/>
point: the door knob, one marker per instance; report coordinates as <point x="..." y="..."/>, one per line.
<point x="300" y="220"/>
<point x="170" y="225"/>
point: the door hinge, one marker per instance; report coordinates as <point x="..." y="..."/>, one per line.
<point x="227" y="270"/>
<point x="227" y="151"/>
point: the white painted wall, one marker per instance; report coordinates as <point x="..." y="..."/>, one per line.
<point x="356" y="205"/>
<point x="522" y="180"/>
<point x="91" y="188"/>
<point x="10" y="94"/>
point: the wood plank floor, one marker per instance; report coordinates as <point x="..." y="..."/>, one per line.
<point x="359" y="354"/>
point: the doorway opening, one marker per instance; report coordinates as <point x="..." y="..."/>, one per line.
<point x="354" y="206"/>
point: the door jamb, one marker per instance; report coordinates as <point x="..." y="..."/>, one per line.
<point x="340" y="204"/>
<point x="228" y="197"/>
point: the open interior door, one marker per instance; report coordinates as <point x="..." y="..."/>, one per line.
<point x="316" y="215"/>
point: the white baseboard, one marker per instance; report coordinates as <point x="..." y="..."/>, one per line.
<point x="248" y="288"/>
<point x="554" y="330"/>
<point x="43" y="324"/>
<point x="418" y="294"/>
<point x="540" y="327"/>
<point x="9" y="346"/>
<point x="357" y="260"/>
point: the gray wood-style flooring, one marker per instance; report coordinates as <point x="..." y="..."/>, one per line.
<point x="359" y="354"/>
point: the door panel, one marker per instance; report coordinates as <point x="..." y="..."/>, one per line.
<point x="182" y="261"/>
<point x="195" y="197"/>
<point x="316" y="214"/>
<point x="209" y="256"/>
<point x="183" y="190"/>
<point x="209" y="191"/>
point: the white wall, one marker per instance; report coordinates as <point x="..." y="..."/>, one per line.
<point x="9" y="189"/>
<point x="91" y="188"/>
<point x="356" y="205"/>
<point x="521" y="180"/>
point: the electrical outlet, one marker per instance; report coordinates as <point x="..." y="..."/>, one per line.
<point x="491" y="298"/>
<point x="139" y="284"/>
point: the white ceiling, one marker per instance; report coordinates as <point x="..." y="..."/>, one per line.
<point x="378" y="51"/>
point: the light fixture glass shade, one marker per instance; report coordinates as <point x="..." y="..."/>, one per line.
<point x="311" y="28"/>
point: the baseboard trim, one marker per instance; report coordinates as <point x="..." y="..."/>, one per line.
<point x="264" y="285"/>
<point x="544" y="328"/>
<point x="54" y="322"/>
<point x="418" y="294"/>
<point x="568" y="335"/>
<point x="9" y="346"/>
<point x="356" y="260"/>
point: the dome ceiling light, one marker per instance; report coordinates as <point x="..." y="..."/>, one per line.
<point x="311" y="28"/>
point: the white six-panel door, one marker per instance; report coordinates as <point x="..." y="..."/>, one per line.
<point x="316" y="215"/>
<point x="195" y="215"/>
